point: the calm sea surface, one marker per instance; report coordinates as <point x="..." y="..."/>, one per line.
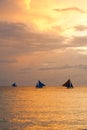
<point x="49" y="108"/>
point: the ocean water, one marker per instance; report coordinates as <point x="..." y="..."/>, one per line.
<point x="49" y="108"/>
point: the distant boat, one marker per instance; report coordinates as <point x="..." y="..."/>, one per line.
<point x="68" y="84"/>
<point x="14" y="85"/>
<point x="39" y="84"/>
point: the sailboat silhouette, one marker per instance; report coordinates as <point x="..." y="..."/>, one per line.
<point x="68" y="84"/>
<point x="39" y="84"/>
<point x="14" y="85"/>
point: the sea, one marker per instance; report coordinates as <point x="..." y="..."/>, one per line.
<point x="48" y="108"/>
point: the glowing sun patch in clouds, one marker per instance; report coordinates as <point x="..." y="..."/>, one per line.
<point x="81" y="50"/>
<point x="27" y="2"/>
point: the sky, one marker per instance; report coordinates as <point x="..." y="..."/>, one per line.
<point x="43" y="40"/>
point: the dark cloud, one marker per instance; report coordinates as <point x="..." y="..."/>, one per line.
<point x="6" y="61"/>
<point x="78" y="41"/>
<point x="12" y="30"/>
<point x="80" y="66"/>
<point x="17" y="38"/>
<point x="25" y="70"/>
<point x="80" y="28"/>
<point x="70" y="9"/>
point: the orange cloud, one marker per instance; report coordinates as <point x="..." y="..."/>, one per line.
<point x="70" y="9"/>
<point x="14" y="10"/>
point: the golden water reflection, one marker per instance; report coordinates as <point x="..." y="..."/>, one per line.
<point x="50" y="108"/>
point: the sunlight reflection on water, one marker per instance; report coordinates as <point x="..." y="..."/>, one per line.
<point x="50" y="108"/>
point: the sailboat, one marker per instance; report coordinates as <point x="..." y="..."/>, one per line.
<point x="14" y="85"/>
<point x="39" y="84"/>
<point x="68" y="84"/>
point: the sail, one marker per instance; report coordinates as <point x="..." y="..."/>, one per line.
<point x="14" y="85"/>
<point x="39" y="84"/>
<point x="68" y="84"/>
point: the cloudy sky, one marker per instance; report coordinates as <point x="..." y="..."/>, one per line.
<point x="43" y="39"/>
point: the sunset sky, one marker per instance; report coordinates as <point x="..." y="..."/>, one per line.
<point x="43" y="40"/>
